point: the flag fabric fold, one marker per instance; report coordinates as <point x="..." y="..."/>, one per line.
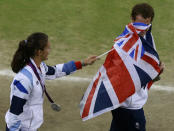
<point x="132" y="65"/>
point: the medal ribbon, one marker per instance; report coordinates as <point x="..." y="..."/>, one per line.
<point x="42" y="85"/>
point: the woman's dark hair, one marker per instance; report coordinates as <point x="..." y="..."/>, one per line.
<point x="28" y="48"/>
<point x="143" y="9"/>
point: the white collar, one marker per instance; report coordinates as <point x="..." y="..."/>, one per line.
<point x="32" y="61"/>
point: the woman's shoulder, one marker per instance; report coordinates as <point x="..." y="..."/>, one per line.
<point x="25" y="74"/>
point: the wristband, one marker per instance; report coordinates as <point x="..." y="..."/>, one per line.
<point x="83" y="63"/>
<point x="78" y="65"/>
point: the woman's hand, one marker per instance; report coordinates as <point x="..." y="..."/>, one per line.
<point x="89" y="61"/>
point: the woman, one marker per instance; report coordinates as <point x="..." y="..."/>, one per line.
<point x="27" y="88"/>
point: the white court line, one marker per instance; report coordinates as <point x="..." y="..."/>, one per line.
<point x="7" y="72"/>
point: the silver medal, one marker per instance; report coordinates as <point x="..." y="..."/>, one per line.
<point x="55" y="107"/>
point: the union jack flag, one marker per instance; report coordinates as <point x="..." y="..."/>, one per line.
<point x="132" y="64"/>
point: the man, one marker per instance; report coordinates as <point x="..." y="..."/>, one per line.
<point x="130" y="116"/>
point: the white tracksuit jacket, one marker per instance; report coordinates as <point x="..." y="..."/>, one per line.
<point x="26" y="98"/>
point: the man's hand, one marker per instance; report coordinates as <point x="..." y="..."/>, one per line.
<point x="162" y="66"/>
<point x="156" y="79"/>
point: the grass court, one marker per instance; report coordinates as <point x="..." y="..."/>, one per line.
<point x="78" y="29"/>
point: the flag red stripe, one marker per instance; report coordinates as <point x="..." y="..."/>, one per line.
<point x="122" y="37"/>
<point x="130" y="43"/>
<point x="149" y="85"/>
<point x="132" y="40"/>
<point x="152" y="62"/>
<point x="136" y="53"/>
<point x="132" y="28"/>
<point x="90" y="96"/>
<point x="119" y="76"/>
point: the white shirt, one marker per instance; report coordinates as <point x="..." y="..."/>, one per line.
<point x="137" y="100"/>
